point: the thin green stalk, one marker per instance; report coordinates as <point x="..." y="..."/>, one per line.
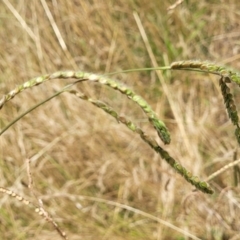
<point x="139" y="70"/>
<point x="83" y="76"/>
<point x="208" y="67"/>
<point x="194" y="180"/>
<point x="35" y="106"/>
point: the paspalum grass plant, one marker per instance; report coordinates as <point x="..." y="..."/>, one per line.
<point x="225" y="75"/>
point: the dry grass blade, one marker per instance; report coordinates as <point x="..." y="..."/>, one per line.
<point x="175" y="5"/>
<point x="75" y="198"/>
<point x="54" y="26"/>
<point x="221" y="170"/>
<point x="20" y="19"/>
<point x="78" y="150"/>
<point x="165" y="88"/>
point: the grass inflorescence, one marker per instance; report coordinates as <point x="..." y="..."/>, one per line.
<point x="38" y="209"/>
<point x="97" y="166"/>
<point x="83" y="76"/>
<point x="225" y="73"/>
<point x="226" y="76"/>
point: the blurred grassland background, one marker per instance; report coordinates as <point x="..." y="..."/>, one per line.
<point x="86" y="153"/>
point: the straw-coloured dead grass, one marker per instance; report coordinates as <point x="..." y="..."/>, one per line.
<point x="87" y="174"/>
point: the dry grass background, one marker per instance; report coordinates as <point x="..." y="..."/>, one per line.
<point x="87" y="158"/>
